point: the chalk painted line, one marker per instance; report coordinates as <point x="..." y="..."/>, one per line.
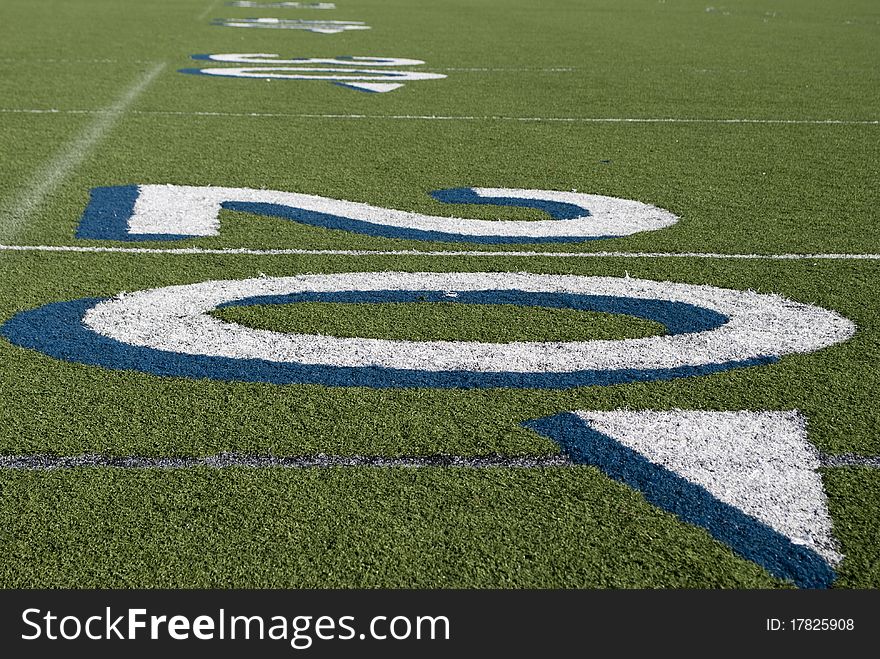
<point x="227" y="460"/>
<point x="282" y="5"/>
<point x="43" y="184"/>
<point x="46" y="462"/>
<point x="175" y="212"/>
<point x="168" y="331"/>
<point x="435" y="117"/>
<point x="471" y="69"/>
<point x="318" y="26"/>
<point x="247" y="251"/>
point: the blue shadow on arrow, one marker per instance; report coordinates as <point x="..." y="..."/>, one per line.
<point x="746" y="535"/>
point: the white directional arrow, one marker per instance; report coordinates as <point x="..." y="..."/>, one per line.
<point x="327" y="30"/>
<point x="375" y="87"/>
<point x="749" y="478"/>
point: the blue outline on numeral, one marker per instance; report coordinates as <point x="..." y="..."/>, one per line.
<point x="110" y="208"/>
<point x="57" y="330"/>
<point x="558" y="210"/>
<point x="106" y="217"/>
<point x="692" y="503"/>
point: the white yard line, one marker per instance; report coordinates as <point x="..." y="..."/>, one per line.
<point x="464" y="69"/>
<point x="432" y="117"/>
<point x="221" y="460"/>
<point x="17" y="210"/>
<point x="202" y="16"/>
<point x="244" y="251"/>
<point x="43" y="60"/>
<point x="224" y="460"/>
<point x="850" y="460"/>
<point x="476" y="69"/>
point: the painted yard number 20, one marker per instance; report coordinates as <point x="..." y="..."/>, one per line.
<point x="168" y="331"/>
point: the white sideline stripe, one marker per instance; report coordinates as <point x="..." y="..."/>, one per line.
<point x="434" y="117"/>
<point x="47" y="179"/>
<point x="224" y="460"/>
<point x="243" y="251"/>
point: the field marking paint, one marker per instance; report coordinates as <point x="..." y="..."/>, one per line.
<point x="40" y="60"/>
<point x="45" y="462"/>
<point x="47" y="180"/>
<point x="432" y="117"/>
<point x="245" y="251"/>
<point x="169" y="331"/>
<point x="851" y="460"/>
<point x="317" y="26"/>
<point x="749" y="478"/>
<point x="282" y="5"/>
<point x="495" y="69"/>
<point x="342" y="71"/>
<point x="225" y="460"/>
<point x="202" y="16"/>
<point x="476" y="69"/>
<point x="273" y="59"/>
<point x="172" y="212"/>
<point x="465" y="69"/>
<point x="380" y="87"/>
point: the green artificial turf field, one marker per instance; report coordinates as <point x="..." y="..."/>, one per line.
<point x="129" y="460"/>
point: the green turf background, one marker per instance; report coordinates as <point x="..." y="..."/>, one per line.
<point x="391" y="528"/>
<point x="440" y="321"/>
<point x="738" y="188"/>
